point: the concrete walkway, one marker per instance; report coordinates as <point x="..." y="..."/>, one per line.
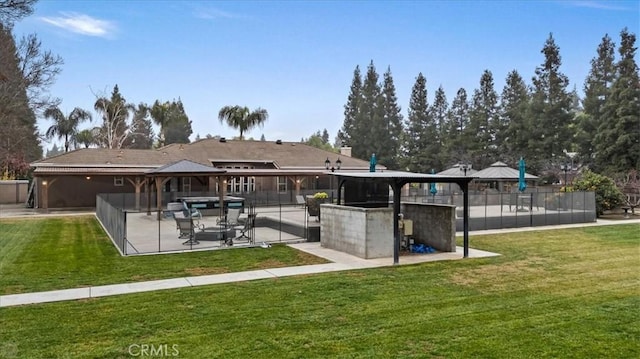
<point x="339" y="262"/>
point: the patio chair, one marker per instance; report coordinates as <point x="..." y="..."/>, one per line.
<point x="249" y="224"/>
<point x="187" y="229"/>
<point x="231" y="219"/>
<point x="172" y="209"/>
<point x="300" y="201"/>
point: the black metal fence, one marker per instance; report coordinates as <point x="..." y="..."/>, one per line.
<point x="114" y="221"/>
<point x="137" y="229"/>
<point x="278" y="217"/>
<point x="511" y="210"/>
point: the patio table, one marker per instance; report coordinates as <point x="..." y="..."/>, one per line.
<point x="216" y="233"/>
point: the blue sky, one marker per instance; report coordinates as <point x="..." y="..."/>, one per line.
<point x="296" y="58"/>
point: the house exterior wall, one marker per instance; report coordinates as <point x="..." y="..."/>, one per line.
<point x="78" y="191"/>
<point x="362" y="232"/>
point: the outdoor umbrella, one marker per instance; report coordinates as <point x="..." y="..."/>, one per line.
<point x="372" y="163"/>
<point x="522" y="184"/>
<point x="432" y="186"/>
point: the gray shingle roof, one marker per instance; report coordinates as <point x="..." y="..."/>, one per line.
<point x="455" y="171"/>
<point x="286" y="155"/>
<point x="500" y="171"/>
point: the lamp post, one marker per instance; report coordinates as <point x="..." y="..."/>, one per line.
<point x="329" y="166"/>
<point x="566" y="168"/>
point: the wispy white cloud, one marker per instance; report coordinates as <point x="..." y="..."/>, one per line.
<point x="603" y="5"/>
<point x="211" y="13"/>
<point x="82" y="24"/>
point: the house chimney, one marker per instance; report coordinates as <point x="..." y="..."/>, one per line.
<point x="345" y="151"/>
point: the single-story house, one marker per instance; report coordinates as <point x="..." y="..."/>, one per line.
<point x="73" y="179"/>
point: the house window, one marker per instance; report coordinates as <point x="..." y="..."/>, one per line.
<point x="282" y="184"/>
<point x="118" y="181"/>
<point x="241" y="185"/>
<point x="186" y="185"/>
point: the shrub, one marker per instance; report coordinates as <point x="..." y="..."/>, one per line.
<point x="608" y="196"/>
<point x="321" y="195"/>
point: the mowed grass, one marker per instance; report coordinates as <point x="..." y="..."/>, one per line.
<point x="69" y="252"/>
<point x="552" y="294"/>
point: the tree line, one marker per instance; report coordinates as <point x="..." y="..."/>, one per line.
<point x="26" y="73"/>
<point x="544" y="121"/>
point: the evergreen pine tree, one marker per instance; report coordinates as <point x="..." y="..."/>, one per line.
<point x="325" y="136"/>
<point x="421" y="139"/>
<point x="178" y="127"/>
<point x="483" y="123"/>
<point x="390" y="128"/>
<point x="439" y="112"/>
<point x="20" y="143"/>
<point x="597" y="87"/>
<point x="618" y="139"/>
<point x="142" y="135"/>
<point x="456" y="143"/>
<point x="513" y="130"/>
<point x="369" y="118"/>
<point x="347" y="134"/>
<point x="550" y="111"/>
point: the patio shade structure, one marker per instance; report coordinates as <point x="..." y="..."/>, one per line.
<point x="397" y="179"/>
<point x="182" y="168"/>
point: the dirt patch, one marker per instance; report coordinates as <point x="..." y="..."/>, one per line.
<point x="196" y="271"/>
<point x="306" y="258"/>
<point x="493" y="275"/>
<point x="620" y="216"/>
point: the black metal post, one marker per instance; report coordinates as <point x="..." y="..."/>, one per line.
<point x="397" y="187"/>
<point x="465" y="210"/>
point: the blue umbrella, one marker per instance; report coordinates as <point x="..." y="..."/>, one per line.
<point x="372" y="163"/>
<point x="432" y="186"/>
<point x="522" y="184"/>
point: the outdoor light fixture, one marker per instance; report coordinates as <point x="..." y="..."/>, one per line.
<point x="566" y="168"/>
<point x="44" y="183"/>
<point x="328" y="166"/>
<point x="465" y="167"/>
<point x="88" y="177"/>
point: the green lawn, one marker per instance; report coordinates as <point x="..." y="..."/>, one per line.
<point x="68" y="252"/>
<point x="552" y="294"/>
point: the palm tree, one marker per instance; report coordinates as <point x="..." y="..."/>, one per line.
<point x="65" y="126"/>
<point x="242" y="118"/>
<point x="85" y="137"/>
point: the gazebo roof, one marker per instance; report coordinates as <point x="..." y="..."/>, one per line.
<point x="501" y="171"/>
<point x="455" y="171"/>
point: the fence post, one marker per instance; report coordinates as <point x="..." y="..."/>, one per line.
<point x="124" y="245"/>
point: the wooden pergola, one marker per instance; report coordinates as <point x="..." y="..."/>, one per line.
<point x="183" y="168"/>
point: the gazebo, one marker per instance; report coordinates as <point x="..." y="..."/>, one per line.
<point x="182" y="168"/>
<point x="500" y="175"/>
